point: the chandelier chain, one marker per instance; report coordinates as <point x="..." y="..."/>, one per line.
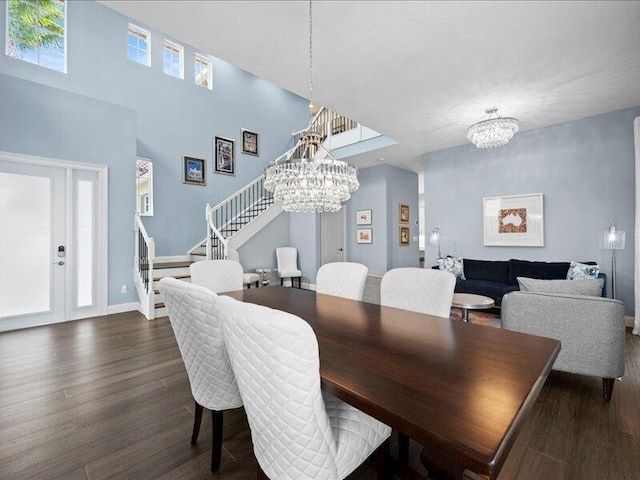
<point x="310" y="58"/>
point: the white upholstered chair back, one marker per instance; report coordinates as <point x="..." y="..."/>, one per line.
<point x="217" y="275"/>
<point x="420" y="290"/>
<point x="342" y="279"/>
<point x="287" y="258"/>
<point x="233" y="255"/>
<point x="275" y="357"/>
<point x="195" y="318"/>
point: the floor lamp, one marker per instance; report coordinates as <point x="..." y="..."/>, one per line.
<point x="435" y="239"/>
<point x="613" y="239"/>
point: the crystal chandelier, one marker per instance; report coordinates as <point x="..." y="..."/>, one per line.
<point x="495" y="131"/>
<point x="308" y="178"/>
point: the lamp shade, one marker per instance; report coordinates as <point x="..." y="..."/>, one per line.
<point x="613" y="239"/>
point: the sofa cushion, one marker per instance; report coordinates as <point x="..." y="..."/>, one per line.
<point x="579" y="270"/>
<point x="591" y="286"/>
<point x="486" y="270"/>
<point x="539" y="270"/>
<point x="480" y="287"/>
<point x="453" y="265"/>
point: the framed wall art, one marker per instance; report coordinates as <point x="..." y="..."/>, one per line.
<point x="363" y="217"/>
<point x="364" y="235"/>
<point x="514" y="221"/>
<point x="224" y="155"/>
<point x="404" y="236"/>
<point x="249" y="142"/>
<point x="404" y="213"/>
<point x="194" y="171"/>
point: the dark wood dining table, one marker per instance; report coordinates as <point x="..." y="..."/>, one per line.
<point x="461" y="390"/>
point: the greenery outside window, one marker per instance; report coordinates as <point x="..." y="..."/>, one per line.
<point x="37" y="32"/>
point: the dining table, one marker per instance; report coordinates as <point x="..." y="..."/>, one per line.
<point x="463" y="391"/>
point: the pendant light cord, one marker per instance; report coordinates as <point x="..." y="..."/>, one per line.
<point x="310" y="60"/>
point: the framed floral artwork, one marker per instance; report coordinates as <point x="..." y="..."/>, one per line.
<point x="224" y="155"/>
<point x="514" y="221"/>
<point x="404" y="236"/>
<point x="364" y="235"/>
<point x="194" y="171"/>
<point x="404" y="213"/>
<point x="363" y="217"/>
<point x="249" y="142"/>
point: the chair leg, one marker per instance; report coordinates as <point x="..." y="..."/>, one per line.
<point x="382" y="461"/>
<point x="281" y="281"/>
<point x="197" y="420"/>
<point x="216" y="447"/>
<point x="403" y="449"/>
<point x="607" y="388"/>
<point x="248" y="286"/>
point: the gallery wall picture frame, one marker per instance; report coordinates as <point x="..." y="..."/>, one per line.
<point x="224" y="156"/>
<point x="364" y="235"/>
<point x="250" y="142"/>
<point x="194" y="170"/>
<point x="514" y="220"/>
<point x="404" y="236"/>
<point x="404" y="213"/>
<point x="363" y="217"/>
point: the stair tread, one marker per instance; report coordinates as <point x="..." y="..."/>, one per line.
<point x="180" y="264"/>
<point x="159" y="305"/>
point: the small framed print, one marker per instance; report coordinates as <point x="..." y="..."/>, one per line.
<point x="404" y="213"/>
<point x="364" y="235"/>
<point x="404" y="236"/>
<point x="249" y="142"/>
<point x="224" y="155"/>
<point x="194" y="171"/>
<point x="363" y="217"/>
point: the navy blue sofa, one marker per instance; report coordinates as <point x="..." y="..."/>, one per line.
<point x="494" y="279"/>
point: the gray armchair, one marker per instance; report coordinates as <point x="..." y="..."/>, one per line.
<point x="591" y="330"/>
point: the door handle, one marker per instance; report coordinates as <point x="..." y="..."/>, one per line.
<point x="59" y="263"/>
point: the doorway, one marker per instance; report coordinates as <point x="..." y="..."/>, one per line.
<point x="332" y="237"/>
<point x="52" y="248"/>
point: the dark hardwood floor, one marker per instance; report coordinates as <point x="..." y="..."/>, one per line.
<point x="108" y="398"/>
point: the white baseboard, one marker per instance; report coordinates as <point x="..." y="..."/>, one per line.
<point x="628" y="321"/>
<point x="123" y="307"/>
<point x="308" y="286"/>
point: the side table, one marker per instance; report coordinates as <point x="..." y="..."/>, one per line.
<point x="469" y="301"/>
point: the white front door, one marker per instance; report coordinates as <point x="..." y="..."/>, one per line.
<point x="33" y="232"/>
<point x="51" y="267"/>
<point x="332" y="236"/>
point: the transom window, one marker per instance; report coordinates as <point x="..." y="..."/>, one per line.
<point x="138" y="45"/>
<point x="173" y="63"/>
<point x="37" y="32"/>
<point x="203" y="71"/>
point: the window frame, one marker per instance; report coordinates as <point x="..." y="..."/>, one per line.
<point x="65" y="26"/>
<point x="141" y="31"/>
<point x="202" y="58"/>
<point x="180" y="49"/>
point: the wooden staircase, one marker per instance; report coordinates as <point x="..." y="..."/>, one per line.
<point x="176" y="269"/>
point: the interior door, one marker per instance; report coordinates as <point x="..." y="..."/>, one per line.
<point x="332" y="237"/>
<point x="33" y="252"/>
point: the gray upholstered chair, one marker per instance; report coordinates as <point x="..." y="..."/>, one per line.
<point x="591" y="330"/>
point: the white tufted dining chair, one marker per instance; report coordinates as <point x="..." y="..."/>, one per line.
<point x="247" y="278"/>
<point x="217" y="275"/>
<point x="342" y="279"/>
<point x="419" y="290"/>
<point x="195" y="319"/>
<point x="298" y="432"/>
<point x="287" y="258"/>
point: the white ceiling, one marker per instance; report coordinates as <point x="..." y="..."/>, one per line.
<point x="422" y="72"/>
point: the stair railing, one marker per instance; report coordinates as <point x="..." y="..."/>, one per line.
<point x="328" y="123"/>
<point x="144" y="254"/>
<point x="235" y="211"/>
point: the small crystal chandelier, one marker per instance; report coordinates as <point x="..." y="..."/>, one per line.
<point x="308" y="178"/>
<point x="495" y="131"/>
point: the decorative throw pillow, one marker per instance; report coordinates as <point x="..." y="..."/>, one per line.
<point x="453" y="265"/>
<point x="586" y="286"/>
<point x="582" y="270"/>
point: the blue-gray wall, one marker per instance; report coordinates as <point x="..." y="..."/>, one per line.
<point x="585" y="169"/>
<point x="382" y="189"/>
<point x="173" y="118"/>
